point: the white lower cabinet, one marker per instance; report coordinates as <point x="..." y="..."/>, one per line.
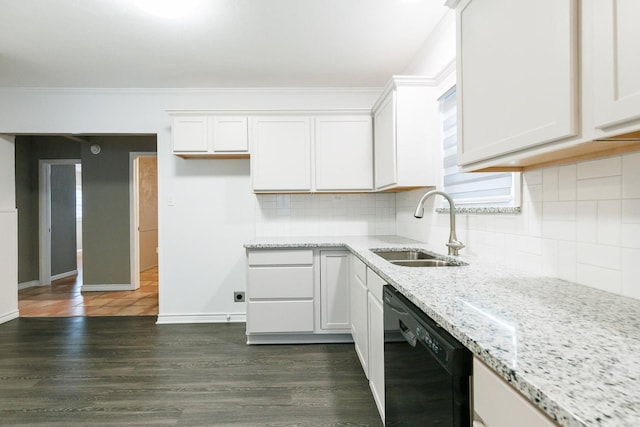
<point x="376" y="351"/>
<point x="297" y="296"/>
<point x="359" y="311"/>
<point x="500" y="405"/>
<point x="334" y="290"/>
<point x="280" y="291"/>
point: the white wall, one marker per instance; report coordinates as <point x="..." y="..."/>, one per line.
<point x="206" y="207"/>
<point x="8" y="231"/>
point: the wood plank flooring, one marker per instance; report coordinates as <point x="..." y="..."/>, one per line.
<point x="63" y="298"/>
<point x="115" y="371"/>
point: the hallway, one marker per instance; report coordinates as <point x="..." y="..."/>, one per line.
<point x="63" y="299"/>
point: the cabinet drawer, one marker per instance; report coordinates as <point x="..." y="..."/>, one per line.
<point x="359" y="268"/>
<point x="280" y="282"/>
<point x="280" y="257"/>
<point x="279" y="316"/>
<point x="500" y="405"/>
<point x="375" y="284"/>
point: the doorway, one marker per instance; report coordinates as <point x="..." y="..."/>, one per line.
<point x="58" y="219"/>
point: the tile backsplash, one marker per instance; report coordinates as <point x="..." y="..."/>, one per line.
<point x="325" y="214"/>
<point x="579" y="222"/>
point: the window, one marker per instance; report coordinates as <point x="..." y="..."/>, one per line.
<point x="475" y="189"/>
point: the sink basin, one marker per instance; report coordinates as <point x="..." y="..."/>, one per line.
<point x="410" y="255"/>
<point x="415" y="258"/>
<point x="425" y="263"/>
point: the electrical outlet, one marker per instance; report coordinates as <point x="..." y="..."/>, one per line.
<point x="238" y="296"/>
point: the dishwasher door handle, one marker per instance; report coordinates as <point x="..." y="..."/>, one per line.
<point x="409" y="336"/>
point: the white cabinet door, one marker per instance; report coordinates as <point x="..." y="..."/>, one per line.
<point x="334" y="290"/>
<point x="384" y="121"/>
<point x="499" y="405"/>
<point x="230" y="134"/>
<point x="359" y="312"/>
<point x="279" y="316"/>
<point x="281" y="158"/>
<point x="376" y="352"/>
<point x="517" y="75"/>
<point x="343" y="153"/>
<point x="616" y="61"/>
<point x="190" y="134"/>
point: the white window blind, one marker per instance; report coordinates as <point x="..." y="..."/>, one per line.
<point x="476" y="189"/>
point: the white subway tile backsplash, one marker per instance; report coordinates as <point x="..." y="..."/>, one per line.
<point x="559" y="211"/>
<point x="631" y="176"/>
<point x="609" y="216"/>
<point x="631" y="273"/>
<point x="532" y="177"/>
<point x="599" y="168"/>
<point x="605" y="188"/>
<point x="567" y="260"/>
<point x="631" y="211"/>
<point x="587" y="222"/>
<point x="630" y="236"/>
<point x="550" y="184"/>
<point x="599" y="278"/>
<point x="550" y="257"/>
<point x="567" y="187"/>
<point x="559" y="230"/>
<point x="599" y="255"/>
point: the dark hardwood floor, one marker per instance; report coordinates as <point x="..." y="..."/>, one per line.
<point x="114" y="371"/>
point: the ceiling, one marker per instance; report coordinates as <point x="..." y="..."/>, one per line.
<point x="210" y="43"/>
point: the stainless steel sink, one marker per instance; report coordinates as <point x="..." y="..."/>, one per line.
<point x="415" y="258"/>
<point x="403" y="255"/>
<point x="425" y="263"/>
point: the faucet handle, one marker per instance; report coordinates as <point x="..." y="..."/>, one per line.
<point x="454" y="247"/>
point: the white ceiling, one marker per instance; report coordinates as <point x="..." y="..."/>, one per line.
<point x="210" y="43"/>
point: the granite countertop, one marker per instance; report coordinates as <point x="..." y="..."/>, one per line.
<point x="574" y="351"/>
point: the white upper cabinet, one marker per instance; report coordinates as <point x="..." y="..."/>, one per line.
<point x="207" y="135"/>
<point x="544" y="82"/>
<point x="517" y="75"/>
<point x="406" y="145"/>
<point x="229" y="134"/>
<point x="281" y="153"/>
<point x="343" y="153"/>
<point x="616" y="61"/>
<point x="190" y="134"/>
<point x="312" y="153"/>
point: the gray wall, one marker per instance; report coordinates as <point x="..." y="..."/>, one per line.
<point x="63" y="219"/>
<point x="105" y="219"/>
<point x="105" y="188"/>
<point x="29" y="150"/>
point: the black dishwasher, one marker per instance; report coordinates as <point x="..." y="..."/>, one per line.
<point x="427" y="371"/>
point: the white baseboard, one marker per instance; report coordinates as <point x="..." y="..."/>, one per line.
<point x="299" y="339"/>
<point x="9" y="316"/>
<point x="107" y="287"/>
<point x="30" y="284"/>
<point x="64" y="275"/>
<point x="167" y="319"/>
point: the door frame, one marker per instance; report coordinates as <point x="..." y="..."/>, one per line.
<point x="44" y="215"/>
<point x="134" y="217"/>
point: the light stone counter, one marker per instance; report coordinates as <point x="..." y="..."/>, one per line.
<point x="572" y="350"/>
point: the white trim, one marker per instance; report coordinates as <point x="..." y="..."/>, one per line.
<point x="198" y="91"/>
<point x="299" y="338"/>
<point x="44" y="215"/>
<point x="451" y="4"/>
<point x="64" y="275"/>
<point x="268" y="111"/>
<point x="134" y="220"/>
<point x="107" y="287"/>
<point x="168" y="319"/>
<point x="9" y="316"/>
<point x="27" y="285"/>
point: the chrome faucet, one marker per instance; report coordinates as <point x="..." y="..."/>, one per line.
<point x="454" y="244"/>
